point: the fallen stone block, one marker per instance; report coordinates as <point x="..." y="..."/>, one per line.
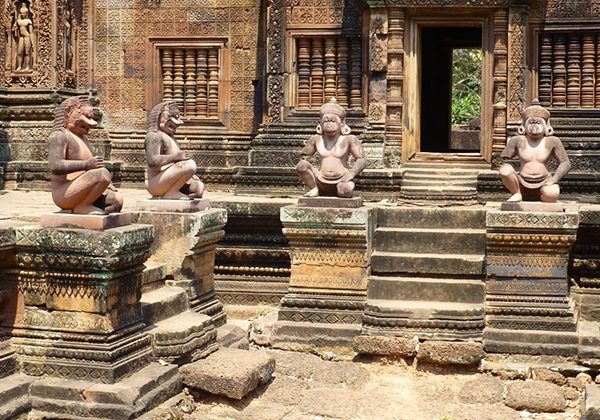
<point x="385" y="346"/>
<point x="450" y="353"/>
<point x="535" y="397"/>
<point x="232" y="373"/>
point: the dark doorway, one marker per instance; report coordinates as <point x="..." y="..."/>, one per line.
<point x="437" y="47"/>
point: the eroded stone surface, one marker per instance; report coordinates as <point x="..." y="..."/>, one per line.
<point x="483" y="389"/>
<point x="385" y="346"/>
<point x="535" y="396"/>
<point x="450" y="353"/>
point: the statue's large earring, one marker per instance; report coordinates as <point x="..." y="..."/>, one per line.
<point x="549" y="130"/>
<point x="319" y="129"/>
<point x="521" y="130"/>
<point x="346" y="130"/>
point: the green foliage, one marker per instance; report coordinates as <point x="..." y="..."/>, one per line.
<point x="466" y="84"/>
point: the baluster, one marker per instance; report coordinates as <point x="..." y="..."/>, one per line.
<point x="202" y="83"/>
<point x="597" y="64"/>
<point x="355" y="74"/>
<point x="178" y="82"/>
<point x="330" y="70"/>
<point x="342" y="79"/>
<point x="167" y="73"/>
<point x="587" y="72"/>
<point x="574" y="72"/>
<point x="190" y="82"/>
<point x="213" y="82"/>
<point x="545" y="77"/>
<point x="559" y="72"/>
<point x="303" y="73"/>
<point x="316" y="73"/>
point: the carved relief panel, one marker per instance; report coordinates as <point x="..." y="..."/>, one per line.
<point x="33" y="55"/>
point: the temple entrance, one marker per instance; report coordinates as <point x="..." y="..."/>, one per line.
<point x="450" y="89"/>
<point x="439" y="121"/>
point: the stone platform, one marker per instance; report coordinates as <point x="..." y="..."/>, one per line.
<point x="333" y="202"/>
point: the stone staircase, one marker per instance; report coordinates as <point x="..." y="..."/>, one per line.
<point x="179" y="335"/>
<point x="427" y="273"/>
<point x="442" y="177"/>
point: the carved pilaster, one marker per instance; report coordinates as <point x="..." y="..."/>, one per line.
<point x="178" y="80"/>
<point x="517" y="52"/>
<point x="355" y="73"/>
<point x="395" y="80"/>
<point x="316" y="73"/>
<point x="500" y="72"/>
<point x="343" y="72"/>
<point x="167" y="73"/>
<point x="202" y="82"/>
<point x="190" y="82"/>
<point x="275" y="45"/>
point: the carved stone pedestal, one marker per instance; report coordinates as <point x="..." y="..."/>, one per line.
<point x="77" y="313"/>
<point x="528" y="308"/>
<point x="186" y="243"/>
<point x="331" y="249"/>
<point x="14" y="398"/>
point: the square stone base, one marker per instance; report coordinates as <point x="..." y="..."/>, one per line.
<point x="85" y="221"/>
<point x="176" y="206"/>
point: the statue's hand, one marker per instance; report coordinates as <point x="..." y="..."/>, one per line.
<point x="182" y="155"/>
<point x="94" y="162"/>
<point x="550" y="181"/>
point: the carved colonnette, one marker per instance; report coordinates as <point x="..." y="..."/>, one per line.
<point x="331" y="260"/>
<point x="77" y="312"/>
<point x="252" y="262"/>
<point x="528" y="306"/>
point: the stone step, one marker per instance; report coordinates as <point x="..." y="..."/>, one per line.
<point x="448" y="241"/>
<point x="530" y="342"/>
<point x="153" y="276"/>
<point x="183" y="338"/>
<point x="426" y="289"/>
<point x="434" y="189"/>
<point x="431" y="217"/>
<point x="163" y="303"/>
<point x="425" y="309"/>
<point x="14" y="395"/>
<point x="426" y="172"/>
<point x="56" y="398"/>
<point x="407" y="262"/>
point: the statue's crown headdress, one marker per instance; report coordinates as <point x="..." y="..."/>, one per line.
<point x="535" y="110"/>
<point x="332" y="107"/>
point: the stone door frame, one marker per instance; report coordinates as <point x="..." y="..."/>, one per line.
<point x="415" y="20"/>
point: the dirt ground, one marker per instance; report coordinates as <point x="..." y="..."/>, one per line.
<point x="306" y="387"/>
